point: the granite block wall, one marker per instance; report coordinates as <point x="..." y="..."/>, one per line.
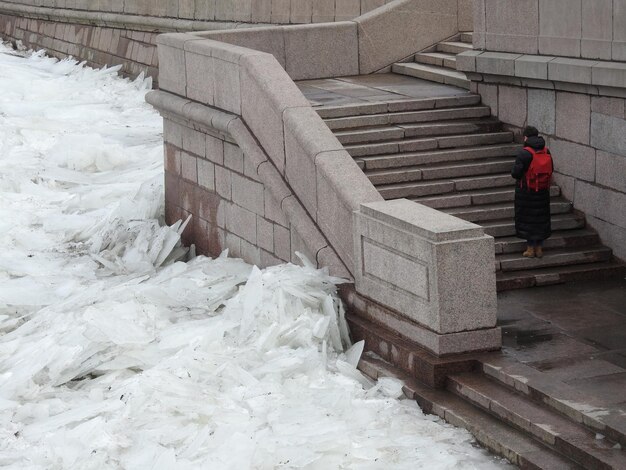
<point x="591" y="29"/>
<point x="135" y="51"/>
<point x="587" y="136"/>
<point x="243" y="11"/>
<point x="208" y="176"/>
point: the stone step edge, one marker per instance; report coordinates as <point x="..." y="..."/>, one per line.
<point x="486" y="394"/>
<point x="509" y="149"/>
<point x="433" y="73"/>
<point x="497" y="437"/>
<point x="398" y="106"/>
<point x="555" y="394"/>
<point x="522" y="279"/>
<point x="504" y="135"/>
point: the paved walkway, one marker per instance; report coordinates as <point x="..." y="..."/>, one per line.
<point x="372" y="88"/>
<point x="575" y="333"/>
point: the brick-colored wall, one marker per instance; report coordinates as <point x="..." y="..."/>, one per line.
<point x="587" y="136"/>
<point x="208" y="176"/>
<point x="99" y="46"/>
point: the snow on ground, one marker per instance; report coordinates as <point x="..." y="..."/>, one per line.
<point x="115" y="355"/>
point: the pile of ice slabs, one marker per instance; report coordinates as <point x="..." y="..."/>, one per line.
<point x="114" y="353"/>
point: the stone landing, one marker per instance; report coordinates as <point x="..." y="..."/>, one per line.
<point x="555" y="396"/>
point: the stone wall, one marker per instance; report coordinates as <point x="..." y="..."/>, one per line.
<point x="208" y="176"/>
<point x="240" y="11"/>
<point x="263" y="175"/>
<point x="135" y="51"/>
<point x="579" y="106"/>
<point x="591" y="29"/>
<point x="124" y="33"/>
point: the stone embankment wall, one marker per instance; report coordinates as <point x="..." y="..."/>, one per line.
<point x="239" y="11"/>
<point x="560" y="66"/>
<point x="261" y="173"/>
<point x="115" y="32"/>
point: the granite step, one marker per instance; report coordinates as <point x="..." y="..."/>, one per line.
<point x="432" y="73"/>
<point x="394" y="106"/>
<point x="475" y="198"/>
<point x="387" y="132"/>
<point x="492" y="433"/>
<point x="506" y="227"/>
<point x="553" y="258"/>
<point x="458" y="127"/>
<point x="439" y="171"/>
<point x="407" y="117"/>
<point x="486" y="212"/>
<point x="454" y="47"/>
<point x="557" y="432"/>
<point x="558" y="275"/>
<point x="428" y="143"/>
<point x="424" y="188"/>
<point x="560" y="397"/>
<point x="441" y="59"/>
<point x="566" y="239"/>
<point x="440" y="156"/>
<point x="467" y="37"/>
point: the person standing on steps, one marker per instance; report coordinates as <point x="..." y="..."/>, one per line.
<point x="533" y="171"/>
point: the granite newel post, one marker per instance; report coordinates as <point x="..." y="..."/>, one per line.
<point x="435" y="271"/>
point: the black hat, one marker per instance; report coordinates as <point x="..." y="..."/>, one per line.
<point x="531" y="131"/>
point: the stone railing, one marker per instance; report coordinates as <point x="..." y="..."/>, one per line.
<point x="367" y="44"/>
<point x="262" y="174"/>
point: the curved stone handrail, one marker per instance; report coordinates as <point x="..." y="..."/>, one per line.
<point x="252" y="85"/>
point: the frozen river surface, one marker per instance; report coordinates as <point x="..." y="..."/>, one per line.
<point x="114" y="354"/>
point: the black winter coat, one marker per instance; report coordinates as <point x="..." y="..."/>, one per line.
<point x="532" y="208"/>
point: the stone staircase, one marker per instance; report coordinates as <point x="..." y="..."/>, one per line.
<point x="438" y="64"/>
<point x="449" y="153"/>
<point x="532" y="428"/>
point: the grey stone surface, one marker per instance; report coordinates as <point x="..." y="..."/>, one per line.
<point x="504" y="30"/>
<point x="248" y="194"/>
<point x="542" y="110"/>
<point x="601" y="203"/>
<point x="336" y="201"/>
<point x="270" y="40"/>
<point x="560" y="27"/>
<point x="489" y="95"/>
<point x="611" y="170"/>
<point x="412" y="259"/>
<point x="265" y="234"/>
<point x="226" y="95"/>
<point x="532" y="66"/>
<point x="597" y="29"/>
<point x="573" y="112"/>
<point x="496" y="63"/>
<point x="573" y="159"/>
<point x="206" y="174"/>
<point x="241" y="222"/>
<point x="323" y="50"/>
<point x="570" y="70"/>
<point x="266" y="92"/>
<point x="608" y="133"/>
<point x="611" y="235"/>
<point x="609" y="106"/>
<point x="404" y="28"/>
<point x="512" y="104"/>
<point x="466" y="61"/>
<point x="611" y="74"/>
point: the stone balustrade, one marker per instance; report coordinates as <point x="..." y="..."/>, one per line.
<point x="263" y="176"/>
